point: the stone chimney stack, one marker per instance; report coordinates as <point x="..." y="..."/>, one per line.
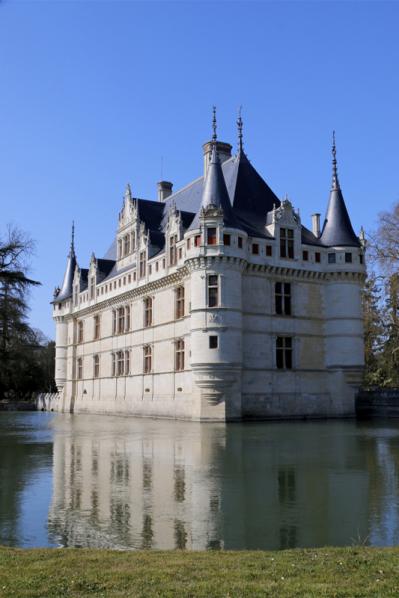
<point x="223" y="150"/>
<point x="316" y="225"/>
<point x="164" y="190"/>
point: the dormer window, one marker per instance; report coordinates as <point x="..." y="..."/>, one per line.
<point x="75" y="295"/>
<point x="119" y="248"/>
<point x="126" y="245"/>
<point x="211" y="236"/>
<point x="172" y="250"/>
<point x="287" y="243"/>
<point x="142" y="264"/>
<point x="92" y="287"/>
<point x="133" y="240"/>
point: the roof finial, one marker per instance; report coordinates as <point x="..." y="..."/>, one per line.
<point x="335" y="182"/>
<point x="239" y="126"/>
<point x="73" y="237"/>
<point x="214" y="136"/>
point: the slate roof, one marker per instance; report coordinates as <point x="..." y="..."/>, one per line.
<point x="247" y="202"/>
<point x="337" y="229"/>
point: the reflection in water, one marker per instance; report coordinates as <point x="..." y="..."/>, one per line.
<point x="130" y="483"/>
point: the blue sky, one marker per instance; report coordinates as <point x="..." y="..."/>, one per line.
<point x="96" y="94"/>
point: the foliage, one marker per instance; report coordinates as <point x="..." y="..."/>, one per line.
<point x="355" y="571"/>
<point x="25" y="355"/>
<point x="381" y="303"/>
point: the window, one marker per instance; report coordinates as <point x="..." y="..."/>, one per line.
<point x="284" y="352"/>
<point x="287" y="243"/>
<point x="211" y="236"/>
<point x="179" y="355"/>
<point x="332" y="258"/>
<point x="172" y="250"/>
<point x="226" y="239"/>
<point x="121" y="320"/>
<point x="188" y="243"/>
<point x="180" y="253"/>
<point x="114" y="318"/>
<point x="156" y="266"/>
<point x="126" y="245"/>
<point x="361" y="258"/>
<point x="96" y="366"/>
<point x="150" y="270"/>
<point x="127" y="363"/>
<point x="282" y="292"/>
<point x="127" y="318"/>
<point x="147" y="312"/>
<point x="147" y="351"/>
<point x="96" y="327"/>
<point x="142" y="264"/>
<point x="348" y="258"/>
<point x="120" y="362"/>
<point x="269" y="250"/>
<point x="213" y="290"/>
<point x="92" y="287"/>
<point x="317" y="257"/>
<point x="80" y="331"/>
<point x="133" y="241"/>
<point x="179" y="302"/>
<point x="119" y="248"/>
<point x="113" y="365"/>
<point x="213" y="342"/>
<point x="75" y="295"/>
<point x="305" y="255"/>
<point x="197" y="240"/>
<point x="255" y="248"/>
<point x="79" y="368"/>
<point x="240" y="242"/>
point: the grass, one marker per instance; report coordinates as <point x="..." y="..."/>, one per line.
<point x="348" y="572"/>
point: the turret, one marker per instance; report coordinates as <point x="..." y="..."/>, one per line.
<point x="216" y="301"/>
<point x="343" y="299"/>
<point x="61" y="332"/>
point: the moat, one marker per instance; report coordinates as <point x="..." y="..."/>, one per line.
<point x="129" y="483"/>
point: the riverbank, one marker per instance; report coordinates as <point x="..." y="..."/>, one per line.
<point x="6" y="405"/>
<point x="355" y="571"/>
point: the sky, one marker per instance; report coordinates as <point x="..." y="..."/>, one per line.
<point x="96" y="94"/>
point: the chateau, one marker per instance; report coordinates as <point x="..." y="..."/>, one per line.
<point x="215" y="303"/>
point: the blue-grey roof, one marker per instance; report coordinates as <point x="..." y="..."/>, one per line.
<point x="66" y="289"/>
<point x="337" y="229"/>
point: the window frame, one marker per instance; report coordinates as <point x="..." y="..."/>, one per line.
<point x="147" y="359"/>
<point x="79" y="368"/>
<point x="97" y="327"/>
<point x="213" y="290"/>
<point x="96" y="366"/>
<point x="179" y="302"/>
<point x="179" y="354"/>
<point x="287" y="243"/>
<point x="148" y="312"/>
<point x="284" y="352"/>
<point x="283" y="298"/>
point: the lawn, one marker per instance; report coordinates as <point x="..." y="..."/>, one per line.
<point x="348" y="572"/>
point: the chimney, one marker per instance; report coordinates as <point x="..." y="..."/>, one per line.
<point x="316" y="225"/>
<point x="223" y="150"/>
<point x="164" y="190"/>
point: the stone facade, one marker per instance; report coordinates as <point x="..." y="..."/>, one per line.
<point x="196" y="315"/>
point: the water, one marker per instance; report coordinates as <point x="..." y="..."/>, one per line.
<point x="133" y="483"/>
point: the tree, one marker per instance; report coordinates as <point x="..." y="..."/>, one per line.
<point x="21" y="350"/>
<point x="382" y="357"/>
<point x="373" y="331"/>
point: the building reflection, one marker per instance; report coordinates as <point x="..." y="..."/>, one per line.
<point x="128" y="483"/>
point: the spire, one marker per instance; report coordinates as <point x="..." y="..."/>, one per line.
<point x="239" y="127"/>
<point x="73" y="238"/>
<point x="215" y="192"/>
<point x="335" y="181"/>
<point x="66" y="289"/>
<point x="337" y="229"/>
<point x="214" y="124"/>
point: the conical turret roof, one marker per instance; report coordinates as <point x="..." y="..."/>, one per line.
<point x="337" y="229"/>
<point x="215" y="193"/>
<point x="66" y="289"/>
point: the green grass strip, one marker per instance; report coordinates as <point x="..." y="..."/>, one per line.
<point x="318" y="572"/>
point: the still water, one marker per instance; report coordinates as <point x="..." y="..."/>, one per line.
<point x="133" y="483"/>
